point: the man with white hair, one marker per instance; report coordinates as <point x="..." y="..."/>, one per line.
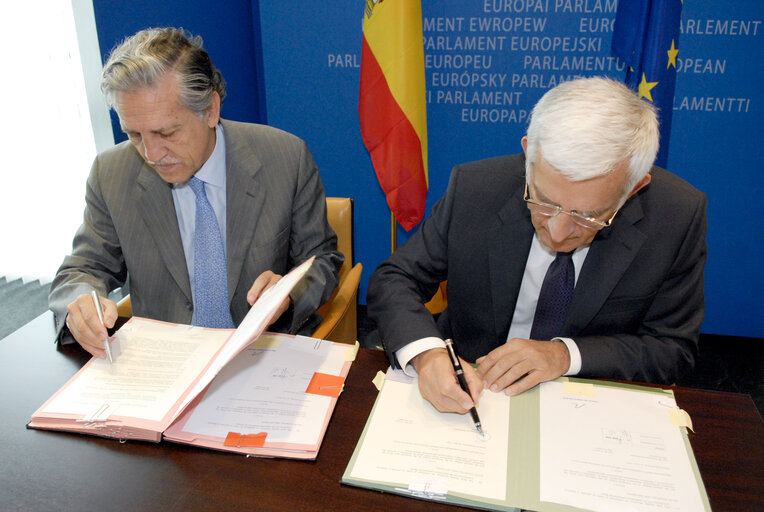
<point x="575" y="257"/>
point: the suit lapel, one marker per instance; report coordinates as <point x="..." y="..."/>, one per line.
<point x="610" y="254"/>
<point x="244" y="201"/>
<point x="158" y="211"/>
<point x="508" y="249"/>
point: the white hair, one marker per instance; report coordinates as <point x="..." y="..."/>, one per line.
<point x="584" y="128"/>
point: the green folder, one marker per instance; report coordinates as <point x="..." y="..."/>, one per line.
<point x="523" y="462"/>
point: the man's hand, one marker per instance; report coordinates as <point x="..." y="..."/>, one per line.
<point x="261" y="284"/>
<point x="520" y="364"/>
<point x="86" y="327"/>
<point x="438" y="384"/>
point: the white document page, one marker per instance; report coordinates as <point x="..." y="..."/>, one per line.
<point x="413" y="445"/>
<point x="157" y="364"/>
<point x="613" y="449"/>
<point x="254" y="323"/>
<point x="263" y="390"/>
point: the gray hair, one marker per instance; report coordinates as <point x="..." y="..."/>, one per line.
<point x="584" y="128"/>
<point x="145" y="58"/>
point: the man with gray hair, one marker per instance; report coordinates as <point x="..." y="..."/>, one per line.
<point x="575" y="257"/>
<point x="201" y="214"/>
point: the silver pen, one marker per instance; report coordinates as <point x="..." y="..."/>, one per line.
<point x="99" y="309"/>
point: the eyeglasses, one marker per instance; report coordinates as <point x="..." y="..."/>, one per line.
<point x="552" y="210"/>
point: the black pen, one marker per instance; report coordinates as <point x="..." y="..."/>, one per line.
<point x="462" y="382"/>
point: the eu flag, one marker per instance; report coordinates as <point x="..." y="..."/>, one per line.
<point x="646" y="38"/>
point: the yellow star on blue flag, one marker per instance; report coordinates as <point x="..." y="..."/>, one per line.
<point x="645" y="87"/>
<point x="645" y="38"/>
<point x="672" y="53"/>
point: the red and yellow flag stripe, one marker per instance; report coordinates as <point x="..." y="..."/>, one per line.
<point x="392" y="104"/>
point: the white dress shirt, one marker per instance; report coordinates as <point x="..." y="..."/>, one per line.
<point x="539" y="259"/>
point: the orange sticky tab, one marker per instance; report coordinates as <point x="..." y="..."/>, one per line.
<point x="325" y="384"/>
<point x="245" y="440"/>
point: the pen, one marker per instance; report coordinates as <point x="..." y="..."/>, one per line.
<point x="99" y="309"/>
<point x="462" y="382"/>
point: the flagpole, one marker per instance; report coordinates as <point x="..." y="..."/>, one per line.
<point x="393" y="233"/>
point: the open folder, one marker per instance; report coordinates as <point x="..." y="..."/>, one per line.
<point x="566" y="445"/>
<point x="265" y="389"/>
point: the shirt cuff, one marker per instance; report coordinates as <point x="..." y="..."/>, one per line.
<point x="65" y="335"/>
<point x="575" y="356"/>
<point x="406" y="354"/>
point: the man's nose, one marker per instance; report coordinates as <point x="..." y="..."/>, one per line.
<point x="560" y="227"/>
<point x="152" y="149"/>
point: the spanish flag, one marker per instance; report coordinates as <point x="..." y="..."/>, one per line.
<point x="392" y="104"/>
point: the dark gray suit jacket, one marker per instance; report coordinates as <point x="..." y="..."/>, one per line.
<point x="276" y="219"/>
<point x="638" y="303"/>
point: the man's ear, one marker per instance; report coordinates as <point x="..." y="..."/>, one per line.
<point x="642" y="184"/>
<point x="212" y="116"/>
<point x="524" y="144"/>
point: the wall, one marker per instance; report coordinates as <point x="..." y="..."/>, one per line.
<point x="311" y="55"/>
<point x="308" y="85"/>
<point x="231" y="36"/>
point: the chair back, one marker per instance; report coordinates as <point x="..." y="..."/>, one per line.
<point x="439" y="301"/>
<point x="340" y="311"/>
<point x="339" y="213"/>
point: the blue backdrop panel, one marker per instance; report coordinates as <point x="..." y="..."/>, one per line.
<point x="311" y="61"/>
<point x="487" y="63"/>
<point x="229" y="36"/>
<point x="717" y="145"/>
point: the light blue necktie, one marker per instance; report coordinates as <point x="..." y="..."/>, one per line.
<point x="210" y="276"/>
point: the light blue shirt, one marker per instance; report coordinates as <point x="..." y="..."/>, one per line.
<point x="213" y="174"/>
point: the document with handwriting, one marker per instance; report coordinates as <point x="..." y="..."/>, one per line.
<point x="571" y="444"/>
<point x="157" y="364"/>
<point x="417" y="447"/>
<point x="160" y="368"/>
<point x="613" y="449"/>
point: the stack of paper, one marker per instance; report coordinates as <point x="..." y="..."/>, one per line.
<point x="274" y="399"/>
<point x="270" y="395"/>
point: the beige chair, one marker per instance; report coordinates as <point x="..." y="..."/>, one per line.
<point x="339" y="313"/>
<point x="125" y="307"/>
<point x="439" y="301"/>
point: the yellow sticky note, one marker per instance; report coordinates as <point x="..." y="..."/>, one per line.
<point x="351" y="352"/>
<point x="578" y="388"/>
<point x="266" y="341"/>
<point x="680" y="418"/>
<point x="379" y="379"/>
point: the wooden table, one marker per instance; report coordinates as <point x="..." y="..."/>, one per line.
<point x="61" y="471"/>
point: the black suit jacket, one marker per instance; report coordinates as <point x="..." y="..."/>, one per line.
<point x="638" y="303"/>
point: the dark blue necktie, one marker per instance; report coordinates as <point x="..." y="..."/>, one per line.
<point x="554" y="298"/>
<point x="210" y="275"/>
